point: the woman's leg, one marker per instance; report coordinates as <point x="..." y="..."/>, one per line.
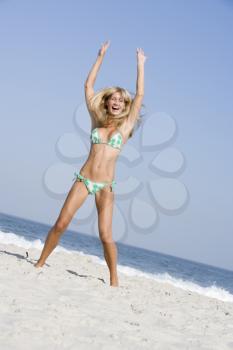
<point x="74" y="200"/>
<point x="104" y="203"/>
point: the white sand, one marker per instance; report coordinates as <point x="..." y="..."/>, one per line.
<point x="67" y="305"/>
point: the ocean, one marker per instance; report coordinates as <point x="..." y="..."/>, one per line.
<point x="189" y="275"/>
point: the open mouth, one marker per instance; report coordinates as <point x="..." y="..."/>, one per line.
<point x="116" y="108"/>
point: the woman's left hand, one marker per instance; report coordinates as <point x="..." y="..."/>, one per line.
<point x="141" y="56"/>
<point x="104" y="48"/>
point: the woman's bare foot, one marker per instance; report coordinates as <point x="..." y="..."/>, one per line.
<point x="38" y="264"/>
<point x="114" y="282"/>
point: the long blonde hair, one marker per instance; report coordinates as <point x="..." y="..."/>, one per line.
<point x="98" y="105"/>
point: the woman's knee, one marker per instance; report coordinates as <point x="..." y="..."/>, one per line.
<point x="106" y="237"/>
<point x="61" y="224"/>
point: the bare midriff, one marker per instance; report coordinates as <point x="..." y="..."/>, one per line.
<point x="100" y="164"/>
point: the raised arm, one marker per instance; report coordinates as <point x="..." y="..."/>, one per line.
<point x="137" y="101"/>
<point x="90" y="81"/>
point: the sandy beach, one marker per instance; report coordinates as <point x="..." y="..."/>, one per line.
<point x="68" y="304"/>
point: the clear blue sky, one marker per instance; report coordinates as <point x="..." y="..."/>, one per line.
<point x="47" y="49"/>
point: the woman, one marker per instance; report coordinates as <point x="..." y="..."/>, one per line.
<point x="113" y="117"/>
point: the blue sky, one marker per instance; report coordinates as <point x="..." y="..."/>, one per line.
<point x="47" y="49"/>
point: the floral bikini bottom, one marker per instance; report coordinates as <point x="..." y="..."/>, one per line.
<point x="93" y="187"/>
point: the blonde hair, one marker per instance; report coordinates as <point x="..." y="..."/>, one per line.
<point x="98" y="106"/>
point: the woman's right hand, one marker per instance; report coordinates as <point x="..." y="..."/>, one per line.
<point x="104" y="48"/>
<point x="141" y="58"/>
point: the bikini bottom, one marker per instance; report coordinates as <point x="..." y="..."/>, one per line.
<point x="93" y="187"/>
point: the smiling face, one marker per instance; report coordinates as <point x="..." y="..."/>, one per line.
<point x="115" y="104"/>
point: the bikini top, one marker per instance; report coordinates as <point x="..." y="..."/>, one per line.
<point x="116" y="141"/>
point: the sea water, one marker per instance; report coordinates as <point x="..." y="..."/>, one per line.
<point x="189" y="275"/>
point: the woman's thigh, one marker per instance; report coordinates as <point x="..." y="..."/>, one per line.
<point x="75" y="198"/>
<point x="104" y="200"/>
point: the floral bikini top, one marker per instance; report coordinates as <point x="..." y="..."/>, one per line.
<point x="116" y="141"/>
